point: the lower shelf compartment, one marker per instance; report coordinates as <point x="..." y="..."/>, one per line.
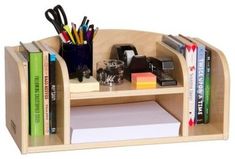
<point x="49" y="140"/>
<point x="205" y="129"/>
<point x="126" y="121"/>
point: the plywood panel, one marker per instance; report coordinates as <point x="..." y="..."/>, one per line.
<point x="220" y="90"/>
<point x="16" y="99"/>
<point x="62" y="101"/>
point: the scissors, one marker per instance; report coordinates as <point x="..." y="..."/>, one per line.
<point x="54" y="16"/>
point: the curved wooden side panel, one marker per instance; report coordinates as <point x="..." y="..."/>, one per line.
<point x="63" y="100"/>
<point x="179" y="106"/>
<point x="63" y="92"/>
<point x="16" y="98"/>
<point x="220" y="90"/>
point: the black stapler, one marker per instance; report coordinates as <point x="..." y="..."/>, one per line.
<point x="162" y="66"/>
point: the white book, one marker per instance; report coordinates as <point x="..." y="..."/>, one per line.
<point x="191" y="60"/>
<point x="121" y="122"/>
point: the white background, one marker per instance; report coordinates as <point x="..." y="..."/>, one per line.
<point x="211" y="20"/>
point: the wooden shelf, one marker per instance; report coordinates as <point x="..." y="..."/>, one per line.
<point x="125" y="143"/>
<point x="204" y="129"/>
<point x="52" y="139"/>
<point x="125" y="90"/>
<point x="173" y="99"/>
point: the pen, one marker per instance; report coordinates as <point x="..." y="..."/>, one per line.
<point x="83" y="21"/>
<point x="66" y="37"/>
<point x="85" y="26"/>
<point x="66" y="27"/>
<point x="62" y="37"/>
<point x="87" y="22"/>
<point x="89" y="34"/>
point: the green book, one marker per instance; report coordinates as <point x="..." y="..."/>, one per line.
<point x="35" y="89"/>
<point x="207" y="89"/>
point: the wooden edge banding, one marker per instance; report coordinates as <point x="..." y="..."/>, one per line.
<point x="10" y="52"/>
<point x="226" y="94"/>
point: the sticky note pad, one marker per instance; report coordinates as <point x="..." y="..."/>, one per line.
<point x="143" y="80"/>
<point x="143" y="77"/>
<point x="144" y="85"/>
<point x="87" y="85"/>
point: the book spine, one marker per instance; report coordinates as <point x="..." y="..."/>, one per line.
<point x="52" y="96"/>
<point x="170" y="42"/>
<point x="36" y="94"/>
<point x="191" y="57"/>
<point x="207" y="92"/>
<point x="46" y="91"/>
<point x="200" y="84"/>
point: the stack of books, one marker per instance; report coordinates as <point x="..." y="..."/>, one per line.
<point x="39" y="64"/>
<point x="198" y="59"/>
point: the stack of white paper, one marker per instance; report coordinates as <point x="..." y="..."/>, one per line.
<point x="121" y="122"/>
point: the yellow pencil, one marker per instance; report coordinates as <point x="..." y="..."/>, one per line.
<point x="76" y="34"/>
<point x="81" y="35"/>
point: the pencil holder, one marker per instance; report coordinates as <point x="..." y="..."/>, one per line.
<point x="77" y="56"/>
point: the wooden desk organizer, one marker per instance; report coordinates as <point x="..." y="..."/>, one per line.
<point x="174" y="99"/>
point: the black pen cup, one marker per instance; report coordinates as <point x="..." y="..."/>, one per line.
<point x="77" y="56"/>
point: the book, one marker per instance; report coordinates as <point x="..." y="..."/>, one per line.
<point x="139" y="120"/>
<point x="24" y="60"/>
<point x="45" y="71"/>
<point x="200" y="74"/>
<point x="87" y="85"/>
<point x="191" y="60"/>
<point x="52" y="89"/>
<point x="174" y="43"/>
<point x="207" y="89"/>
<point x="34" y="56"/>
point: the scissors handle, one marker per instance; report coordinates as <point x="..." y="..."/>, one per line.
<point x="53" y="18"/>
<point x="60" y="11"/>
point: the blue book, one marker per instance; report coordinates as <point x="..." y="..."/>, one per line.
<point x="200" y="78"/>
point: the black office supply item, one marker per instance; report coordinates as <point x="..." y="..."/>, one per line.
<point x="132" y="61"/>
<point x="162" y="66"/>
<point x="120" y="52"/>
<point x="77" y="56"/>
<point x="58" y="19"/>
<point x="138" y="64"/>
